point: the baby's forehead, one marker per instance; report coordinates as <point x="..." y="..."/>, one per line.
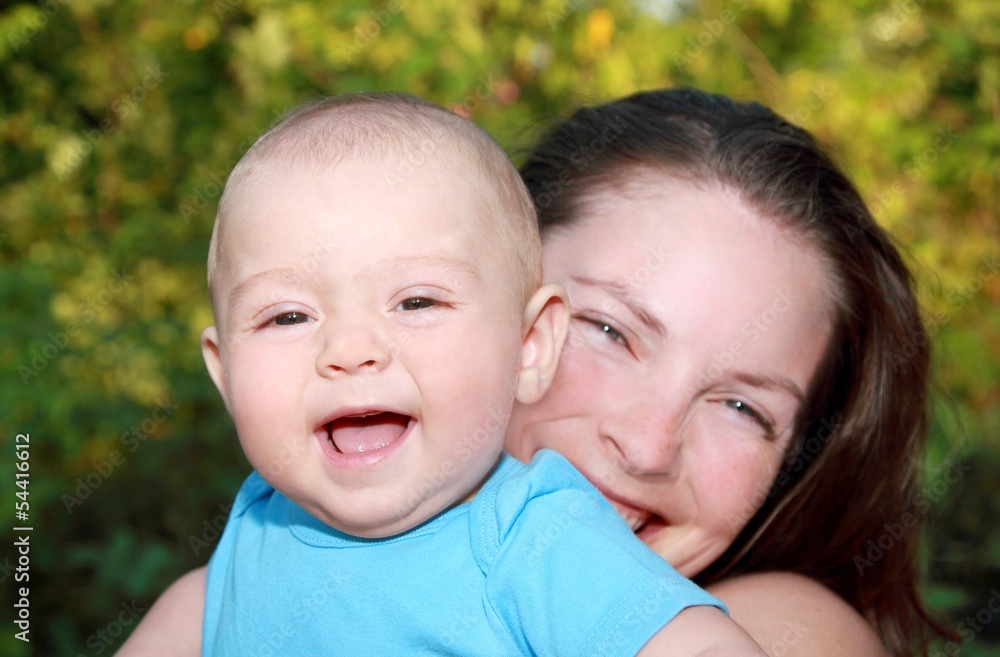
<point x="446" y="171"/>
<point x="353" y="189"/>
<point x="446" y="152"/>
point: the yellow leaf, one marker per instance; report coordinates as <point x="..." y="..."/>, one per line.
<point x="195" y="38"/>
<point x="600" y="28"/>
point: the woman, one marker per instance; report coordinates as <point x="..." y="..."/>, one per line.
<point x="745" y="376"/>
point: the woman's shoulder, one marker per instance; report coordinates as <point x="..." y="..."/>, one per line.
<point x="789" y="614"/>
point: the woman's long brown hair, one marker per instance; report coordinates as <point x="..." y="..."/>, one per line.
<point x="850" y="478"/>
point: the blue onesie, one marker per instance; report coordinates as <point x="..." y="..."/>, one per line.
<point x="538" y="563"/>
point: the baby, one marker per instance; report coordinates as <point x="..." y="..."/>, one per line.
<point x="375" y="277"/>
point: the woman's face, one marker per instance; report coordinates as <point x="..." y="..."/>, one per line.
<point x="696" y="328"/>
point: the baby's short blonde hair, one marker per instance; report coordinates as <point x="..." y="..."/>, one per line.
<point x="380" y="126"/>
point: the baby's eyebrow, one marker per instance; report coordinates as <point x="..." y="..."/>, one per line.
<point x="291" y="274"/>
<point x="449" y="263"/>
<point x="278" y="274"/>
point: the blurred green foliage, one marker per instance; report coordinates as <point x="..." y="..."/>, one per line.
<point x="120" y="122"/>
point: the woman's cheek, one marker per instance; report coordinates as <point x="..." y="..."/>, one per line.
<point x="750" y="476"/>
<point x="568" y="413"/>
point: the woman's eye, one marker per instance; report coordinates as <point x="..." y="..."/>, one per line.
<point x="607" y="329"/>
<point x="416" y="303"/>
<point x="741" y="408"/>
<point x="745" y="409"/>
<point x="289" y="319"/>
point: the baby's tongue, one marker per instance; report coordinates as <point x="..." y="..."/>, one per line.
<point x="352" y="435"/>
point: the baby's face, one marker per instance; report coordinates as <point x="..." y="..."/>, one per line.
<point x="369" y="339"/>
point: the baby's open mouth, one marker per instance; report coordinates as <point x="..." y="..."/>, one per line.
<point x="354" y="434"/>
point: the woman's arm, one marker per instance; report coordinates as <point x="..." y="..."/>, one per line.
<point x="701" y="632"/>
<point x="793" y="616"/>
<point x="172" y="627"/>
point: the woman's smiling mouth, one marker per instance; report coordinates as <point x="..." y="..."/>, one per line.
<point x="641" y="521"/>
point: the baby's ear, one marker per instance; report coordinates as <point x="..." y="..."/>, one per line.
<point x="546" y="320"/>
<point x="212" y="354"/>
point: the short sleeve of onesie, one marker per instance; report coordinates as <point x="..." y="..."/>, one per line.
<point x="565" y="573"/>
<point x="218" y="601"/>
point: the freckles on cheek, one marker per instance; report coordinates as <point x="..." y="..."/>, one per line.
<point x="743" y="483"/>
<point x="578" y="377"/>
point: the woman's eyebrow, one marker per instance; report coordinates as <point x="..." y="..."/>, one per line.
<point x="623" y="295"/>
<point x="772" y="382"/>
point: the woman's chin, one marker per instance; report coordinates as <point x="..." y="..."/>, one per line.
<point x="687" y="554"/>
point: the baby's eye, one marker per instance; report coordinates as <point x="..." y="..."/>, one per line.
<point x="417" y="303"/>
<point x="289" y="319"/>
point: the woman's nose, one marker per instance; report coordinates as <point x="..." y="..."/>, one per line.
<point x="645" y="437"/>
<point x="355" y="347"/>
